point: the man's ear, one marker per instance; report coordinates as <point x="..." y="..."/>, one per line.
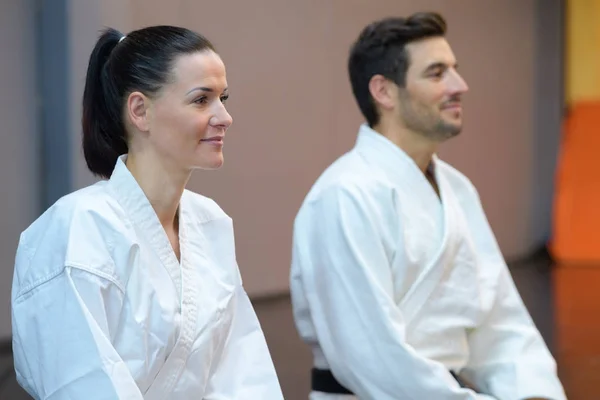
<point x="137" y="108"/>
<point x="383" y="92"/>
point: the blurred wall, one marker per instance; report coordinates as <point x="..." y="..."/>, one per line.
<point x="19" y="151"/>
<point x="549" y="98"/>
<point x="293" y="110"/>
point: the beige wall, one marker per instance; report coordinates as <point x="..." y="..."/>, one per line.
<point x="18" y="149"/>
<point x="294" y="114"/>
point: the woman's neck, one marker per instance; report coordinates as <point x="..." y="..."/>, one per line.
<point x="162" y="186"/>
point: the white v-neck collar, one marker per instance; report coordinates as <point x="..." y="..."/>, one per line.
<point x="185" y="276"/>
<point x="132" y="198"/>
<point x="397" y="165"/>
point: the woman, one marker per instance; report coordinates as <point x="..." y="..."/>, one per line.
<point x="129" y="288"/>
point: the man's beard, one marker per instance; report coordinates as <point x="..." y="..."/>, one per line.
<point x="426" y="123"/>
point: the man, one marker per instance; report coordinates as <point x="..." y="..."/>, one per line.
<point x="397" y="281"/>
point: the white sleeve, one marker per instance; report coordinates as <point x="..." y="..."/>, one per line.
<point x="61" y="340"/>
<point x="342" y="239"/>
<point x="244" y="370"/>
<point x="509" y="358"/>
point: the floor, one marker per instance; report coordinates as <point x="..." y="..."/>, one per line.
<point x="564" y="302"/>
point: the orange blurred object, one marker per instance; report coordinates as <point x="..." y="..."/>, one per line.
<point x="576" y="222"/>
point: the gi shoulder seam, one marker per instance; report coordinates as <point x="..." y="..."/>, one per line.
<point x="48" y="278"/>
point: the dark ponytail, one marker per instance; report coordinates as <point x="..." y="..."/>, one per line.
<point x="141" y="61"/>
<point x="104" y="138"/>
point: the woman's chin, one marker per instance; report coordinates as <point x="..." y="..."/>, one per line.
<point x="210" y="163"/>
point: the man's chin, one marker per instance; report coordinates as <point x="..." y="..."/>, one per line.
<point x="449" y="130"/>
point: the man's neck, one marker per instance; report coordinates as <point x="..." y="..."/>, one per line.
<point x="418" y="147"/>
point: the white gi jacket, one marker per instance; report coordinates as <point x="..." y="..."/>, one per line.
<point x="392" y="288"/>
<point x="102" y="309"/>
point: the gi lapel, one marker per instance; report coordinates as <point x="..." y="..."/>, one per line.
<point x="434" y="272"/>
<point x="174" y="365"/>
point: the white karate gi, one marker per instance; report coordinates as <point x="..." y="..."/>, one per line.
<point x="392" y="288"/>
<point x="102" y="308"/>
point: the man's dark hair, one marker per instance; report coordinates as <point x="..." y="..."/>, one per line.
<point x="380" y="50"/>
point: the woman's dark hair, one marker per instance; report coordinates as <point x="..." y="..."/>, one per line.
<point x="119" y="65"/>
<point x="380" y="49"/>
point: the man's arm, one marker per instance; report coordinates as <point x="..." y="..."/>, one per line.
<point x="343" y="239"/>
<point x="509" y="358"/>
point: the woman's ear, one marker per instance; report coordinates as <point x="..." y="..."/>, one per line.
<point x="137" y="111"/>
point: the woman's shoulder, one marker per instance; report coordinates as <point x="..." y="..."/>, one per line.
<point x="80" y="210"/>
<point x="204" y="209"/>
<point x="77" y="230"/>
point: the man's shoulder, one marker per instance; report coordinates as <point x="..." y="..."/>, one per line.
<point x="348" y="174"/>
<point x="349" y="185"/>
<point x="456" y="178"/>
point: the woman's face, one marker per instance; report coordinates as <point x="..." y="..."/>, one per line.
<point x="186" y="121"/>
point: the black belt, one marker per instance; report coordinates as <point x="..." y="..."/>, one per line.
<point x="324" y="381"/>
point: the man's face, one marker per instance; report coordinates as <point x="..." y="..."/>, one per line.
<point x="430" y="102"/>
